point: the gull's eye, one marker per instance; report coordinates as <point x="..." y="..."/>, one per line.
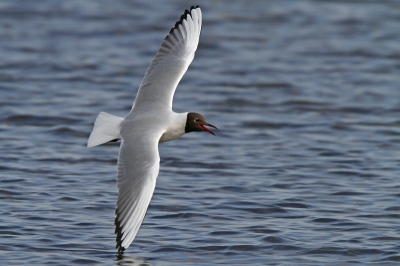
<point x="196" y="120"/>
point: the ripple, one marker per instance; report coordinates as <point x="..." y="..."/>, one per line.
<point x="32" y="120"/>
<point x="294" y="205"/>
<point x="324" y="220"/>
<point x="224" y="233"/>
<point x="302" y="172"/>
<point x="273" y="239"/>
<point x="179" y="215"/>
<point x="244" y="248"/>
<point x="391" y="258"/>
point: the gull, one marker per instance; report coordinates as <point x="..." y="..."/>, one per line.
<point x="150" y="122"/>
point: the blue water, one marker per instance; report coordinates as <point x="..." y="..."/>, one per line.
<point x="305" y="169"/>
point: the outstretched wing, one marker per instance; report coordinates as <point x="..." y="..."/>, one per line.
<point x="170" y="64"/>
<point x="138" y="166"/>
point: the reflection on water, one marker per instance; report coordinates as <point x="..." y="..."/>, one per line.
<point x="304" y="168"/>
<point x="127" y="260"/>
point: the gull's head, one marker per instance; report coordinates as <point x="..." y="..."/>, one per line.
<point x="197" y="122"/>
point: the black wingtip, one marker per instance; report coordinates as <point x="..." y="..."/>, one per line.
<point x="121" y="251"/>
<point x="183" y="17"/>
<point x="118" y="232"/>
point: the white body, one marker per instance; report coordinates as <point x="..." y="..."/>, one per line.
<point x="109" y="127"/>
<point x="150" y="121"/>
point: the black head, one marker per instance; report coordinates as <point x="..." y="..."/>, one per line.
<point x="197" y="122"/>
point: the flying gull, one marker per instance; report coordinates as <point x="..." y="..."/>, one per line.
<point x="150" y="121"/>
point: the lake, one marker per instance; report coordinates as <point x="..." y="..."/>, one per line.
<point x="305" y="167"/>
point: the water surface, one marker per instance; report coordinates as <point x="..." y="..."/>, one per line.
<point x="304" y="169"/>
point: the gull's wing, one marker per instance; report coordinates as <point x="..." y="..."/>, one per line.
<point x="170" y="64"/>
<point x="138" y="166"/>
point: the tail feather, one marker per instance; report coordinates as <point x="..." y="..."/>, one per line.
<point x="106" y="128"/>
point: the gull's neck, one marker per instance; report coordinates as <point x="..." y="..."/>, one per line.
<point x="175" y="127"/>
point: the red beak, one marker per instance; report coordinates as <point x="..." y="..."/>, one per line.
<point x="206" y="129"/>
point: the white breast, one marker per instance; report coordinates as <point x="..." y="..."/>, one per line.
<point x="175" y="127"/>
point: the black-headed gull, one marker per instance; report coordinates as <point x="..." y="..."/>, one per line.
<point x="150" y="122"/>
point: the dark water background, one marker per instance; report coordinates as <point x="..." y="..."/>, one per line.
<point x="305" y="169"/>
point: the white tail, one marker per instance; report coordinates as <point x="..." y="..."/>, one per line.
<point x="106" y="128"/>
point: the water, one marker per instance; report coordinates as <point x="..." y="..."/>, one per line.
<point x="304" y="169"/>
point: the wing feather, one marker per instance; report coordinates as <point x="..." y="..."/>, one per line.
<point x="170" y="64"/>
<point x="138" y="166"/>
